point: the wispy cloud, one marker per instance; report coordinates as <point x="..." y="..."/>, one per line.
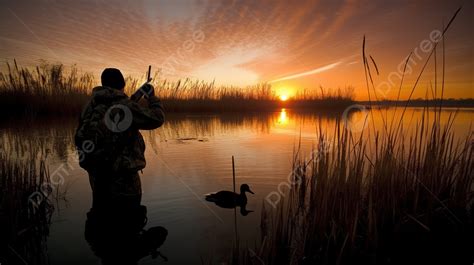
<point x="310" y="72"/>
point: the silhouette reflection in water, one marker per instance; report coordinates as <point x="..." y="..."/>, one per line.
<point x="231" y="200"/>
<point x="117" y="236"/>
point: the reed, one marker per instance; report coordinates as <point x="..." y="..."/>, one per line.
<point x="24" y="217"/>
<point x="389" y="202"/>
<point x="377" y="197"/>
<point x="53" y="89"/>
<point x="44" y="90"/>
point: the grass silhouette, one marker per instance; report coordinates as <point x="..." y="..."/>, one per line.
<point x="53" y="89"/>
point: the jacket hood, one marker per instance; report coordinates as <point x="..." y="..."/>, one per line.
<point x="103" y="94"/>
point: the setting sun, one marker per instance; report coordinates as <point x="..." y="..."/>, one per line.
<point x="284" y="93"/>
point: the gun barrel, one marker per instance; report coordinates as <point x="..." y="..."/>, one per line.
<point x="149" y="74"/>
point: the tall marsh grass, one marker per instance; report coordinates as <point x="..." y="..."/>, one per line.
<point x="391" y="201"/>
<point x="53" y="89"/>
<point x="383" y="196"/>
<point x="24" y="220"/>
<point x="44" y="90"/>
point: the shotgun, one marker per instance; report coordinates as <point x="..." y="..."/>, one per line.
<point x="143" y="89"/>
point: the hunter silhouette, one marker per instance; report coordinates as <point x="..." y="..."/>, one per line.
<point x="109" y="143"/>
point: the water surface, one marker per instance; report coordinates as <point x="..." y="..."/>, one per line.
<point x="189" y="157"/>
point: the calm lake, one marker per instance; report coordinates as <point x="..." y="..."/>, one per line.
<point x="189" y="157"/>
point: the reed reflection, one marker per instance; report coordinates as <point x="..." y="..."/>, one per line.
<point x="55" y="136"/>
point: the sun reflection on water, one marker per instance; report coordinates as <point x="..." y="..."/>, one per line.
<point x="283" y="117"/>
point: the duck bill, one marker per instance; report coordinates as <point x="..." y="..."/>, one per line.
<point x="251" y="191"/>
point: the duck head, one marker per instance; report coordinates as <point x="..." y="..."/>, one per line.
<point x="245" y="188"/>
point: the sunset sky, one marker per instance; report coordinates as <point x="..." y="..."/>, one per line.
<point x="290" y="44"/>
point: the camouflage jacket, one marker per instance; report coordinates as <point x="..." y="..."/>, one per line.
<point x="108" y="137"/>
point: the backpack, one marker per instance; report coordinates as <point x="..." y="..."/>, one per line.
<point x="98" y="146"/>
